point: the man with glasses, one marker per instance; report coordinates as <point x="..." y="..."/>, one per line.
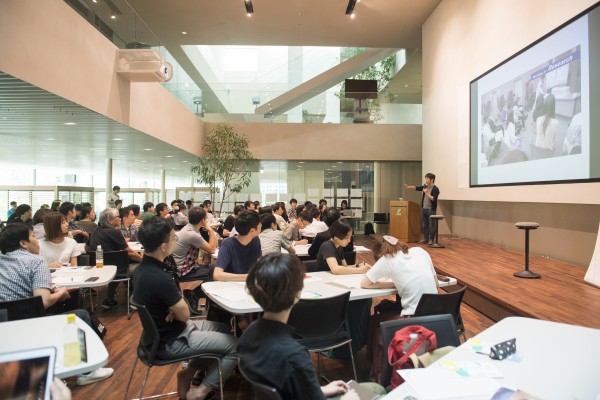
<point x="109" y="236"/>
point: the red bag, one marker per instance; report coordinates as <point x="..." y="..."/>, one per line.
<point x="402" y="346"/>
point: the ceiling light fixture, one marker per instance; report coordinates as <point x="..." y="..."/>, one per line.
<point x="350" y="8"/>
<point x="70" y="123"/>
<point x="184" y="33"/>
<point x="249" y="8"/>
<point x="113" y="16"/>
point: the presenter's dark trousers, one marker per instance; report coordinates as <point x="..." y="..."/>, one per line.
<point x="427" y="224"/>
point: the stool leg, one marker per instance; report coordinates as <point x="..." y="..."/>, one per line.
<point x="434" y="237"/>
<point x="527" y="273"/>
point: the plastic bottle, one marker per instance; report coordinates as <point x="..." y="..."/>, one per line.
<point x="71" y="342"/>
<point x="99" y="257"/>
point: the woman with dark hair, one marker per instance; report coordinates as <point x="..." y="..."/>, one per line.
<point x="58" y="249"/>
<point x="331" y="253"/>
<point x="267" y="352"/>
<point x="547" y="125"/>
<point x="22" y="214"/>
<point x="344" y="205"/>
<point x="86" y="221"/>
<point x="38" y="223"/>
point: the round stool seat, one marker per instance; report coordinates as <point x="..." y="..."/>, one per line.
<point x="436" y="216"/>
<point x="527" y="225"/>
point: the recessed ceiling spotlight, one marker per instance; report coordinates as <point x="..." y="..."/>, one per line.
<point x="184" y="33"/>
<point x="352" y="16"/>
<point x="113" y="16"/>
<point x="70" y="123"/>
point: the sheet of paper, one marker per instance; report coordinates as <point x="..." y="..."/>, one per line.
<point x="447" y="385"/>
<point x="66" y="280"/>
<point x="348" y="281"/>
<point x="361" y="249"/>
<point x="234" y="293"/>
<point x="309" y="294"/>
<point x="475" y="369"/>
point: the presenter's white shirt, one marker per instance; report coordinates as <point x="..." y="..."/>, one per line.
<point x="412" y="274"/>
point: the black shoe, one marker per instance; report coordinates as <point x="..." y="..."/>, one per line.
<point x="107" y="304"/>
<point x="192" y="300"/>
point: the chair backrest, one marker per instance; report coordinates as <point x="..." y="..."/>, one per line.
<point x="261" y="390"/>
<point x="120" y="259"/>
<point x="442" y="325"/>
<point x="310" y="265"/>
<point x="381" y="218"/>
<point x="320" y="318"/>
<point x="540" y="152"/>
<point x="31" y="307"/>
<point x="150" y="338"/>
<point x="446" y="303"/>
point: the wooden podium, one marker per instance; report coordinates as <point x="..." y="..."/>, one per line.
<point x="405" y="220"/>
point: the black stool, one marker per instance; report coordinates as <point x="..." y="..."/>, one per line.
<point x="527" y="273"/>
<point x="435" y="243"/>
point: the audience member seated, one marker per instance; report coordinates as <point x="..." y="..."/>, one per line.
<point x="237" y="254"/>
<point x="12" y="209"/>
<point x="137" y="213"/>
<point x="331" y="257"/>
<point x="267" y="351"/>
<point x="162" y="210"/>
<point x="316" y="225"/>
<point x="547" y="125"/>
<point x="149" y="211"/>
<point x="291" y="212"/>
<point x="331" y="215"/>
<point x="86" y="222"/>
<point x="249" y="205"/>
<point x="38" y="223"/>
<point x="292" y="232"/>
<point x="191" y="265"/>
<point x="411" y="272"/>
<point x="57" y="248"/>
<point x="179" y="216"/>
<point x="68" y="210"/>
<point x="229" y="223"/>
<point x="155" y="289"/>
<point x="55" y="205"/>
<point x="108" y="235"/>
<point x="278" y="214"/>
<point x="25" y="274"/>
<point x="271" y="239"/>
<point x="128" y="228"/>
<point x="22" y="214"/>
<point x="331" y="253"/>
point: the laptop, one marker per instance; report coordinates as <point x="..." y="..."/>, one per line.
<point x="27" y="374"/>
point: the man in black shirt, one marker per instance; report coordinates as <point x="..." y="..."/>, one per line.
<point x="156" y="288"/>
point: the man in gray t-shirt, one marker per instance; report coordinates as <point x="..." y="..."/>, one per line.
<point x="190" y="242"/>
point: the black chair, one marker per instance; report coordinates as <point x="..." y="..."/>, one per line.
<point x="121" y="260"/>
<point x="148" y="346"/>
<point x="261" y="390"/>
<point x="31" y="307"/>
<point x="381" y="219"/>
<point x="327" y="331"/>
<point x="446" y="303"/>
<point x="310" y="265"/>
<point x="443" y="326"/>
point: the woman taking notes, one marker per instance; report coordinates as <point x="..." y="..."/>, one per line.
<point x="331" y="253"/>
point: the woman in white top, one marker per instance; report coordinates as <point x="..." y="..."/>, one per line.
<point x="58" y="249"/>
<point x="547" y="125"/>
<point x="410" y="270"/>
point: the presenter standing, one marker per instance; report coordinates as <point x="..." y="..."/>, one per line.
<point x="428" y="205"/>
<point x="111" y="198"/>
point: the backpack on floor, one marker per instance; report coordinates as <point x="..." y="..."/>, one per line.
<point x="407" y="341"/>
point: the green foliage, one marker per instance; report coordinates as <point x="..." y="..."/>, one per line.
<point x="227" y="161"/>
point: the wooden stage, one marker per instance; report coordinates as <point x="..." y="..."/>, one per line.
<point x="561" y="295"/>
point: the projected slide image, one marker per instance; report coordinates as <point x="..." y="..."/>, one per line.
<point x="534" y="115"/>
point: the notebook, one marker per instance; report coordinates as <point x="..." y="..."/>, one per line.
<point x="27" y="374"/>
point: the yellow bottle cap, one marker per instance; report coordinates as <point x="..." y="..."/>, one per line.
<point x="70" y="317"/>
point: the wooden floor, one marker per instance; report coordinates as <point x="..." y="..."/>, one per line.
<point x="559" y="296"/>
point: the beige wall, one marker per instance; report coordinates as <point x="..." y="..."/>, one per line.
<point x="462" y="40"/>
<point x="47" y="44"/>
<point x="339" y="142"/>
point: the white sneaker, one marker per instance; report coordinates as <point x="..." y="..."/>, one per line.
<point x="95" y="376"/>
